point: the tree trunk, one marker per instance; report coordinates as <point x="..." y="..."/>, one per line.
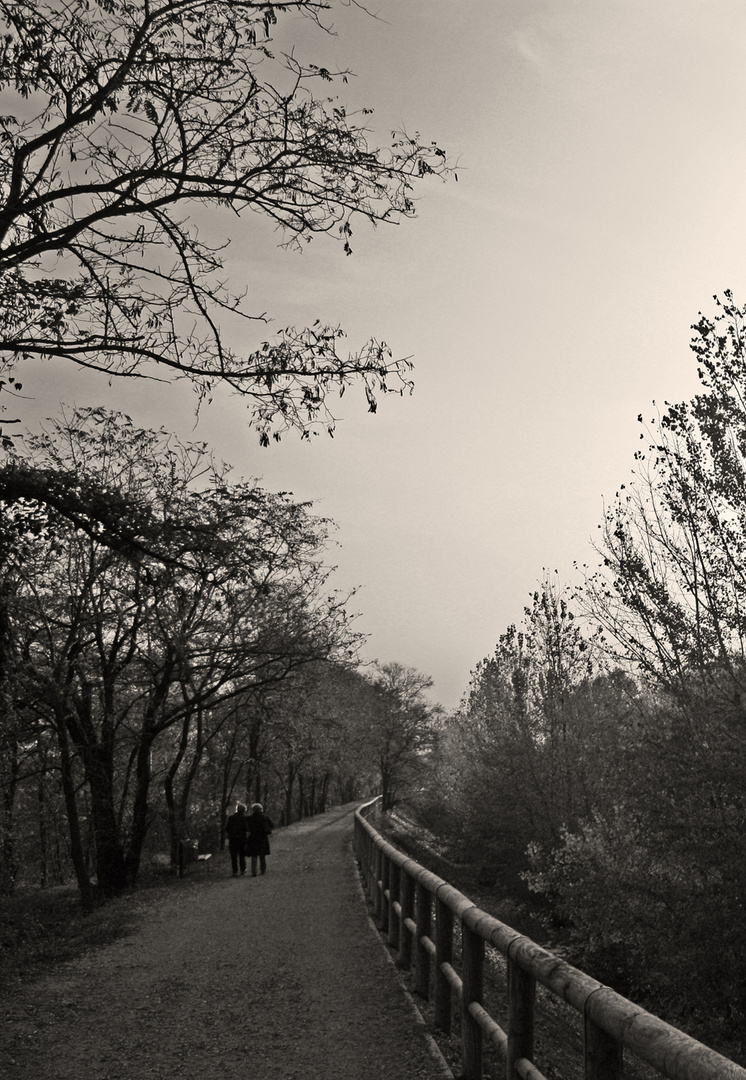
<point x="386" y="793"/>
<point x="229" y="786"/>
<point x="257" y="796"/>
<point x="254" y="770"/>
<point x="77" y="853"/>
<point x="186" y="790"/>
<point x="111" y="872"/>
<point x="96" y="747"/>
<point x="41" y="804"/>
<point x="8" y="866"/>
<point x="9" y="759"/>
<point x="323" y="795"/>
<point x="289" y="788"/>
<point x="175" y="822"/>
<point x="140" y="816"/>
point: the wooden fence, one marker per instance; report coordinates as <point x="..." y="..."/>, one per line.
<point x="418" y="912"/>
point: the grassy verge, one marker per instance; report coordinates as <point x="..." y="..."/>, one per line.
<point x="43" y="927"/>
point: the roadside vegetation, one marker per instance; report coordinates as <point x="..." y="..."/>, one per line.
<point x="40" y="928"/>
<point x="591" y="782"/>
<point x="170" y="640"/>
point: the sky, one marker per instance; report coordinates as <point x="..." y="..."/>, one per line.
<point x="546" y="298"/>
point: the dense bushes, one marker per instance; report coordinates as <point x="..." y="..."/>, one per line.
<point x="618" y="826"/>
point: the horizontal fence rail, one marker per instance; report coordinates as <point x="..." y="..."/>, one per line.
<point x="407" y="900"/>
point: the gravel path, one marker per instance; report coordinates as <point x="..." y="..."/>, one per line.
<point x="269" y="978"/>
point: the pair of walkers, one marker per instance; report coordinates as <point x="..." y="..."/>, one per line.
<point x="248" y="836"/>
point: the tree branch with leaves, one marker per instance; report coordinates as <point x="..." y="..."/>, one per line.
<point x="130" y="117"/>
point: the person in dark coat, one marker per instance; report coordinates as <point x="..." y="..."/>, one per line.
<point x="257" y="845"/>
<point x="237" y="831"/>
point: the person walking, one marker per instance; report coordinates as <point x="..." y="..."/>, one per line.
<point x="237" y="831"/>
<point x="257" y="846"/>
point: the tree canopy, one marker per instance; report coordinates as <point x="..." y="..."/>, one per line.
<point x="119" y="645"/>
<point x="122" y="121"/>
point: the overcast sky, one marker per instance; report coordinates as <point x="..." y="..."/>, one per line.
<point x="546" y="297"/>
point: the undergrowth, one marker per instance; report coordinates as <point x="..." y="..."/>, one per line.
<point x="559" y="1030"/>
<point x="43" y="927"/>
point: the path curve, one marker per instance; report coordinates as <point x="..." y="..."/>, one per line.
<point x="269" y="978"/>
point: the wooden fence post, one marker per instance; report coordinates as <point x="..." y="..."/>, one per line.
<point x="363" y="848"/>
<point x="372" y="872"/>
<point x="394" y="889"/>
<point x="378" y="885"/>
<point x="424" y="930"/>
<point x="521" y="995"/>
<point x="365" y="858"/>
<point x="406" y="893"/>
<point x="603" y="1054"/>
<point x="443" y="955"/>
<point x="385" y="902"/>
<point x="472" y="955"/>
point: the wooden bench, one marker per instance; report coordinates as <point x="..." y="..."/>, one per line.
<point x="189" y="853"/>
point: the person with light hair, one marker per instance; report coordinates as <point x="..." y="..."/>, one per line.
<point x="257" y="846"/>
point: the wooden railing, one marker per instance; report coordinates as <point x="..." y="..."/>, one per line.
<point x="417" y="911"/>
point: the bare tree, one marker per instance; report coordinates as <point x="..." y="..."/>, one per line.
<point x="121" y="649"/>
<point x="402" y="727"/>
<point x="123" y="118"/>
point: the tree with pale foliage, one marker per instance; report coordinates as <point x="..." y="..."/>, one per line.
<point x="403" y="726"/>
<point x="530" y="748"/>
<point x="672" y="590"/>
<point x="122" y="121"/>
<point x="658" y="870"/>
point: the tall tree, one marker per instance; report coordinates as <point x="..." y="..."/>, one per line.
<point x="213" y="587"/>
<point x="671" y="599"/>
<point x="533" y="745"/>
<point x="402" y="728"/>
<point x="122" y="120"/>
<point x="672" y="591"/>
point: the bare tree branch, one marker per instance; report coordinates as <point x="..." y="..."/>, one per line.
<point x="131" y="116"/>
